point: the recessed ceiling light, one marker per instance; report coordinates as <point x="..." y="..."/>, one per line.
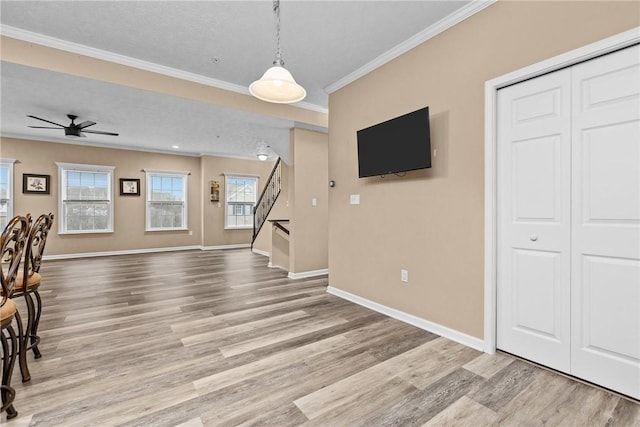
<point x="175" y="147"/>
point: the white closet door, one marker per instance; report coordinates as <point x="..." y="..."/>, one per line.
<point x="605" y="289"/>
<point x="533" y="317"/>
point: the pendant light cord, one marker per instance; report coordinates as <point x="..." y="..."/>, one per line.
<point x="276" y="9"/>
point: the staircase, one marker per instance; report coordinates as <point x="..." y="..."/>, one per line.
<point x="267" y="199"/>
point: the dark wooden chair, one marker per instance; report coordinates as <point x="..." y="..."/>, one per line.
<point x="12" y="242"/>
<point x="27" y="285"/>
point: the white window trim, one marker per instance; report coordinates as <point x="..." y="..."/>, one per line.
<point x="80" y="167"/>
<point x="228" y="175"/>
<point x="162" y="172"/>
<point x="9" y="163"/>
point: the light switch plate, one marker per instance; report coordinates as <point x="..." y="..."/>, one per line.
<point x="355" y="199"/>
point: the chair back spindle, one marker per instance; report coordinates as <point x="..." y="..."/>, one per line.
<point x="12" y="243"/>
<point x="36" y="242"/>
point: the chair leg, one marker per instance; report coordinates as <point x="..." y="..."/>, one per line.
<point x="9" y="351"/>
<point x="33" y="334"/>
<point x="22" y="347"/>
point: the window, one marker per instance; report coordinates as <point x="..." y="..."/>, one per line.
<point x="86" y="198"/>
<point x="240" y="191"/>
<point x="166" y="200"/>
<point x="6" y="191"/>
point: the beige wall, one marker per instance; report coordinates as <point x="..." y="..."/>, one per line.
<point x="205" y="219"/>
<point x="214" y="168"/>
<point x="431" y="222"/>
<point x="309" y="241"/>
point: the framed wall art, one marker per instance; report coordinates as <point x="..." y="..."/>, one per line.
<point x="36" y="184"/>
<point x="129" y="187"/>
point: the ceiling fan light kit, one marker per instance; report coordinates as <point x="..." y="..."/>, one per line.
<point x="277" y="85"/>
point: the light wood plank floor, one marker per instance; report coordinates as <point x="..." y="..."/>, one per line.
<point x="216" y="338"/>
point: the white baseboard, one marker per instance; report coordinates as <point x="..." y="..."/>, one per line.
<point x="443" y="331"/>
<point x="124" y="252"/>
<point x="259" y="252"/>
<point x="223" y="247"/>
<point x="305" y="274"/>
<point x="271" y="265"/>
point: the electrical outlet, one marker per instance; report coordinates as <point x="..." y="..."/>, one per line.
<point x="404" y="275"/>
<point x="314" y="202"/>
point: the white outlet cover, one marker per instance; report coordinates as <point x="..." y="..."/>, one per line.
<point x="355" y="199"/>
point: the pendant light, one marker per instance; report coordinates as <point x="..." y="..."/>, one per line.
<point x="277" y="84"/>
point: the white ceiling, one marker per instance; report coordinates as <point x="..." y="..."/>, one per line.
<point x="324" y="44"/>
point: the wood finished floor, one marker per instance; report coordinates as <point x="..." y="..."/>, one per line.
<point x="216" y="338"/>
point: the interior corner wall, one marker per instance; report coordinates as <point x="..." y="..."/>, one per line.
<point x="431" y="222"/>
<point x="214" y="168"/>
<point x="39" y="157"/>
<point x="309" y="237"/>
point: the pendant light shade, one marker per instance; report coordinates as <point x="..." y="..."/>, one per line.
<point x="277" y="85"/>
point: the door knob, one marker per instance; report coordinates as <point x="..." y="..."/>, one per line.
<point x="533" y="237"/>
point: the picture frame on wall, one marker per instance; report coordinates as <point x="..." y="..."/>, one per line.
<point x="36" y="184"/>
<point x="129" y="187"/>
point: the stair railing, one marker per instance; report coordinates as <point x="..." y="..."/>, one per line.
<point x="267" y="199"/>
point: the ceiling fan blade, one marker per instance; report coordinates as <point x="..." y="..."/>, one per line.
<point x="48" y="121"/>
<point x="86" y="124"/>
<point x="43" y="127"/>
<point x="100" y="132"/>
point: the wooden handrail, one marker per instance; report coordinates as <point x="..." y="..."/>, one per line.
<point x="273" y="171"/>
<point x="278" y="224"/>
<point x="267" y="199"/>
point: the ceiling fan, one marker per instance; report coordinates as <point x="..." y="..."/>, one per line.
<point x="73" y="130"/>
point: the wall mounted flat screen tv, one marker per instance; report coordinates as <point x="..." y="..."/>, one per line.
<point x="397" y="145"/>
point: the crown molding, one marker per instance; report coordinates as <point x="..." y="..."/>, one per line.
<point x="80" y="49"/>
<point x="444" y="24"/>
<point x="312" y="107"/>
<point x="95" y="144"/>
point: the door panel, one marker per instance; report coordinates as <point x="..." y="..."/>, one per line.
<point x="535" y="193"/>
<point x="609" y="289"/>
<point x="610" y="179"/>
<point x="534" y="220"/>
<point x="535" y="289"/>
<point x="605" y="288"/>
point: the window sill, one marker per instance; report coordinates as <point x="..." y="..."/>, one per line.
<point x="238" y="228"/>
<point x="166" y="229"/>
<point x="85" y="232"/>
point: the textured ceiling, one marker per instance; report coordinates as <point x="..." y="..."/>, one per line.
<point x="322" y="42"/>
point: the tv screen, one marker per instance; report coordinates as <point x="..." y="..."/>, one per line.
<point x="397" y="145"/>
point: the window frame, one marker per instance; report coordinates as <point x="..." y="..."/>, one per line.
<point x="150" y="173"/>
<point x="244" y="176"/>
<point x="8" y="163"/>
<point x="63" y="168"/>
